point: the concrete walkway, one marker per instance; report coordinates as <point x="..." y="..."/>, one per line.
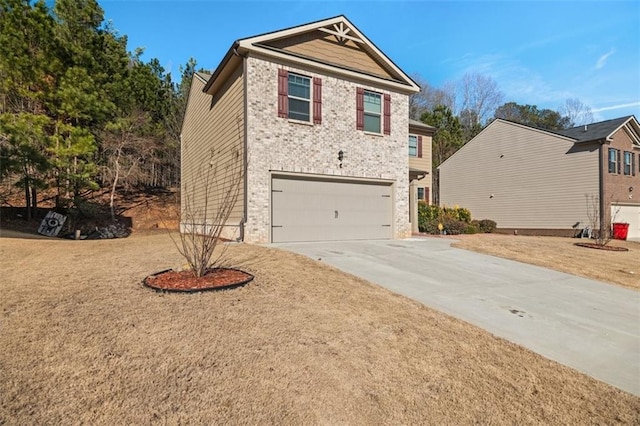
<point x="588" y="325"/>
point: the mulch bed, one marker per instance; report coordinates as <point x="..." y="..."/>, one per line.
<point x="186" y="282"/>
<point x="601" y="247"/>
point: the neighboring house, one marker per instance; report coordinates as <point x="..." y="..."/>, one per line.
<point x="318" y="116"/>
<point x="539" y="182"/>
<point x="420" y="138"/>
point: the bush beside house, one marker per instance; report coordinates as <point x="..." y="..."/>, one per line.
<point x="456" y="220"/>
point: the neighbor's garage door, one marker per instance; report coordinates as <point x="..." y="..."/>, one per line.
<point x="627" y="214"/>
<point x="325" y="210"/>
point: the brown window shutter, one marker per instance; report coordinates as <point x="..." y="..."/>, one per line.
<point x="419" y="146"/>
<point x="387" y="114"/>
<point x="359" y="108"/>
<point x="619" y="162"/>
<point x="633" y="163"/>
<point x="317" y="100"/>
<point x="283" y="92"/>
<point x="426" y="195"/>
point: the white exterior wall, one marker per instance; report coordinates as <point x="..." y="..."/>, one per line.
<point x="277" y="144"/>
<point x="522" y="178"/>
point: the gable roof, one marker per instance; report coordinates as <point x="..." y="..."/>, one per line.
<point x="602" y="130"/>
<point x="271" y="45"/>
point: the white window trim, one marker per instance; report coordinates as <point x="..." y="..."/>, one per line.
<point x="380" y="114"/>
<point x="625" y="155"/>
<point x="309" y="101"/>
<point x="409" y="145"/>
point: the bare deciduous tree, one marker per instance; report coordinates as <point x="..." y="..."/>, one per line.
<point x="207" y="203"/>
<point x="600" y="226"/>
<point x="479" y="96"/>
<point x="577" y="112"/>
<point x="430" y="97"/>
<point x="125" y="148"/>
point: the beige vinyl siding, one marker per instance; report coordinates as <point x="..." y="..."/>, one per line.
<point x="213" y="124"/>
<point x="423" y="163"/>
<point x="325" y="47"/>
<point x="522" y="178"/>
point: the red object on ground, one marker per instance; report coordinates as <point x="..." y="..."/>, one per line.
<point x="620" y="231"/>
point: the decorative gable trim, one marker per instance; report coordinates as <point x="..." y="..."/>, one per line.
<point x="343" y="30"/>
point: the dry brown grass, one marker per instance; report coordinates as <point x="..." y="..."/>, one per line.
<point x="84" y="343"/>
<point x="622" y="268"/>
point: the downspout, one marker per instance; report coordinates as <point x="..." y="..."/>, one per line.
<point x="601" y="189"/>
<point x="243" y="221"/>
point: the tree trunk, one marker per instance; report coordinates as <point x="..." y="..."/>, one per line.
<point x="27" y="194"/>
<point x="113" y="186"/>
<point x="34" y="201"/>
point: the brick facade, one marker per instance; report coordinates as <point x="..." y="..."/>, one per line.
<point x="618" y="187"/>
<point x="281" y="145"/>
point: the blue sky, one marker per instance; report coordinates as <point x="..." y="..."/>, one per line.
<point x="539" y="52"/>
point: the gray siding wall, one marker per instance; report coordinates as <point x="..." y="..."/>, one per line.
<point x="522" y="178"/>
<point x="277" y="144"/>
<point x="212" y="140"/>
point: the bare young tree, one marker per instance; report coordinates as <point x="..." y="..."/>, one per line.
<point x="601" y="229"/>
<point x="577" y="112"/>
<point x="207" y="203"/>
<point x="125" y="148"/>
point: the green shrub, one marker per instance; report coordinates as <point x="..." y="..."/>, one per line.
<point x="486" y="225"/>
<point x="458" y="213"/>
<point x="454" y="226"/>
<point x="427" y="214"/>
<point x="430" y="226"/>
<point x="455" y="220"/>
<point x="471" y="229"/>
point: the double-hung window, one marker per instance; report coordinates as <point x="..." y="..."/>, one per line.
<point x="413" y="146"/>
<point x="372" y="112"/>
<point x="296" y="99"/>
<point x="299" y="97"/>
<point x="628" y="163"/>
<point x="613" y="160"/>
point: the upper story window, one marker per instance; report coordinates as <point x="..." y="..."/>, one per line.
<point x="298" y="99"/>
<point x="372" y="112"/>
<point x="614" y="160"/>
<point x="629" y="167"/>
<point x="413" y="146"/>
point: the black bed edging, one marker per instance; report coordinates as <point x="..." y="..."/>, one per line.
<point x="196" y="290"/>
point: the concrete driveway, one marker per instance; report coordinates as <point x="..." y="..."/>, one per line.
<point x="588" y="325"/>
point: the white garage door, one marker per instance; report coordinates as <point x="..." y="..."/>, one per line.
<point x="630" y="215"/>
<point x="329" y="210"/>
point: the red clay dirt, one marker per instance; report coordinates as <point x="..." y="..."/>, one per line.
<point x="186" y="281"/>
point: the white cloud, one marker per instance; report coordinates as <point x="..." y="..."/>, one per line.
<point x="619" y="106"/>
<point x="602" y="60"/>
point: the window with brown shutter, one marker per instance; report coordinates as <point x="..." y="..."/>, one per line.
<point x="359" y="108"/>
<point x="387" y="114"/>
<point x="283" y="99"/>
<point x="317" y="100"/>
